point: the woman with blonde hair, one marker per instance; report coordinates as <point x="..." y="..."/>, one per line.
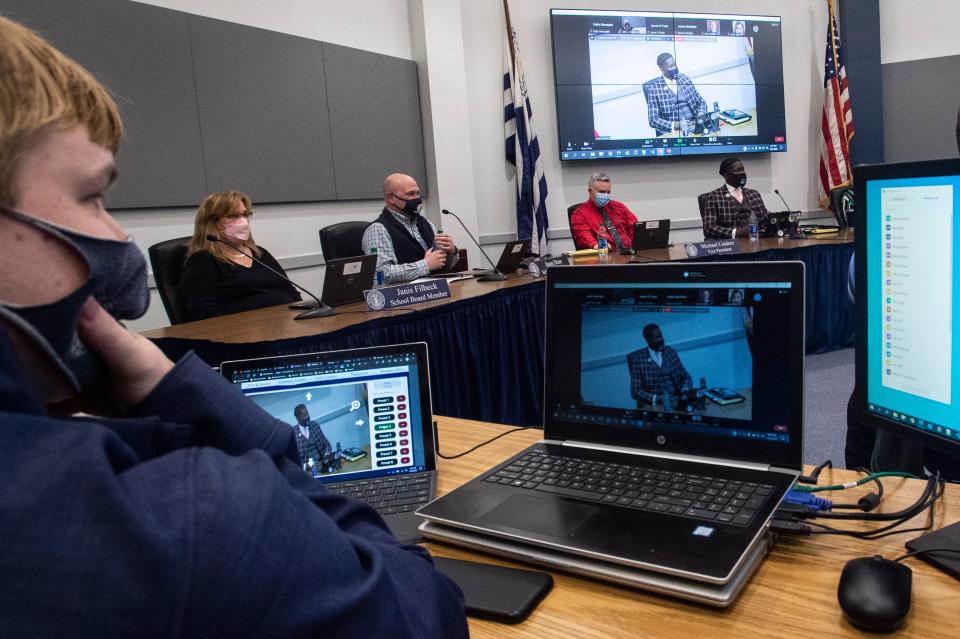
<point x="219" y="277"/>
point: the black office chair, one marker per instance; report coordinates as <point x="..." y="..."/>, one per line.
<point x="841" y="205"/>
<point x="342" y="240"/>
<point x="570" y="210"/>
<point x="166" y="260"/>
<point x="702" y="203"/>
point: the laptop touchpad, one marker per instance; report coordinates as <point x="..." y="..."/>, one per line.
<point x="551" y="517"/>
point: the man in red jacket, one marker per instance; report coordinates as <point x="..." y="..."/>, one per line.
<point x="601" y="216"/>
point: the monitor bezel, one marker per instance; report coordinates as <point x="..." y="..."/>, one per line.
<point x="862" y="174"/>
<point x="228" y="368"/>
<point x="788" y="456"/>
<point x="721" y="150"/>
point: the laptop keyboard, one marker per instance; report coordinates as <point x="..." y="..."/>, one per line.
<point x="388" y="495"/>
<point x="687" y="495"/>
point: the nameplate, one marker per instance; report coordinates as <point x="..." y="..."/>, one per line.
<point x="387" y="297"/>
<point x="538" y="267"/>
<point x="716" y="247"/>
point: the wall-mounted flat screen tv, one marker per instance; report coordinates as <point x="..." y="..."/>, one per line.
<point x="634" y="84"/>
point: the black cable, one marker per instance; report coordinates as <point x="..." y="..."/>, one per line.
<point x="906" y="513"/>
<point x="929" y="499"/>
<point x="815" y="475"/>
<point x="867" y="502"/>
<point x="914" y="553"/>
<point x="481" y="444"/>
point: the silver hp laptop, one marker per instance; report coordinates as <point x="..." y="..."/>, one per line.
<point x="362" y="420"/>
<point x="345" y="279"/>
<point x="673" y="399"/>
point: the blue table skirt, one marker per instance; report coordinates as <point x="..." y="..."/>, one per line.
<point x="486" y="353"/>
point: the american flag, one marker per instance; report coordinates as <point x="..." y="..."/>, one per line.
<point x="522" y="147"/>
<point x="837" y="122"/>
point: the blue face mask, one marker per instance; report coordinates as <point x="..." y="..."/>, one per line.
<point x="118" y="281"/>
<point x="601" y="199"/>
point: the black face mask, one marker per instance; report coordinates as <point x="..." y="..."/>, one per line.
<point x="118" y="280"/>
<point x="737" y="180"/>
<point x="412" y="206"/>
<point x="671" y="73"/>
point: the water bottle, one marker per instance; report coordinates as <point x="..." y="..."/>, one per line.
<point x="603" y="245"/>
<point x="667" y="403"/>
<point x="702" y="394"/>
<point x="436" y="245"/>
<point x="378" y="277"/>
<point x="753" y="227"/>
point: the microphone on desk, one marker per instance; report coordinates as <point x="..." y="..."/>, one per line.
<point x="320" y="310"/>
<point x="796" y="233"/>
<point x="496" y="276"/>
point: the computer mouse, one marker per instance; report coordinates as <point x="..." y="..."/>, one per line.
<point x="875" y="593"/>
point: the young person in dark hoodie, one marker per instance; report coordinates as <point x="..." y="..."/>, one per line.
<point x="186" y="513"/>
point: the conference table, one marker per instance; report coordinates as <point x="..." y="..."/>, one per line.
<point x="486" y="340"/>
<point x="792" y="594"/>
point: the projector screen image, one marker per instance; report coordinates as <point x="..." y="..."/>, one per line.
<point x="639" y="84"/>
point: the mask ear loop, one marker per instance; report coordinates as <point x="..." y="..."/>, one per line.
<point x="43" y="226"/>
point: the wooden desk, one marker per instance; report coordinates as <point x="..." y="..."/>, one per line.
<point x="490" y="335"/>
<point x="793" y="594"/>
<point x="276" y="322"/>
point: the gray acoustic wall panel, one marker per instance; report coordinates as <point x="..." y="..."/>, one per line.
<point x="263" y="112"/>
<point x="142" y="55"/>
<point x="374" y="103"/>
<point x="920" y="102"/>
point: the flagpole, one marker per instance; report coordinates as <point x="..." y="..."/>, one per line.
<point x="506" y="13"/>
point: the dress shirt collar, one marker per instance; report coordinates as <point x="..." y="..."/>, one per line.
<point x="657" y="357"/>
<point x="735" y="191"/>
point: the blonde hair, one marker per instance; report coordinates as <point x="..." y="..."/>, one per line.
<point x="211" y="210"/>
<point x="41" y="89"/>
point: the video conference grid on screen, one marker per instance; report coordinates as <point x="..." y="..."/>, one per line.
<point x="652" y="84"/>
<point x="913" y="309"/>
<point x="719" y="347"/>
<point x="367" y="409"/>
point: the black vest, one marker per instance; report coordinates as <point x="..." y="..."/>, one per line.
<point x="406" y="247"/>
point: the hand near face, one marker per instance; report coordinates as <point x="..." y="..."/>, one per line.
<point x="135" y="365"/>
<point x="444" y="242"/>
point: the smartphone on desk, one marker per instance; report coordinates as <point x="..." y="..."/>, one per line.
<point x="497" y="593"/>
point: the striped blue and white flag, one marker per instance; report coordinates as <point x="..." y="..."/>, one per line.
<point x="523" y="148"/>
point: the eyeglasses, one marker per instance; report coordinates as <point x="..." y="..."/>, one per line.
<point x="236" y="216"/>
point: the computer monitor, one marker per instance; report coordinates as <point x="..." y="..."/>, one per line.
<point x="908" y="302"/>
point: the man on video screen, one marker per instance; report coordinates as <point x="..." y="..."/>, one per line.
<point x="656" y="373"/>
<point x="312" y="444"/>
<point x="671" y="98"/>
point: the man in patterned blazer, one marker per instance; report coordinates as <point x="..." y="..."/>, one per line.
<point x="671" y="98"/>
<point x="312" y="444"/>
<point x="727" y="209"/>
<point x="656" y="370"/>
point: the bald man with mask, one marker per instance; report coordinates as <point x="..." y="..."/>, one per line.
<point x="408" y="244"/>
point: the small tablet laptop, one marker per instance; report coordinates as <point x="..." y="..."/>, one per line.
<point x="347" y="278"/>
<point x="651" y="234"/>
